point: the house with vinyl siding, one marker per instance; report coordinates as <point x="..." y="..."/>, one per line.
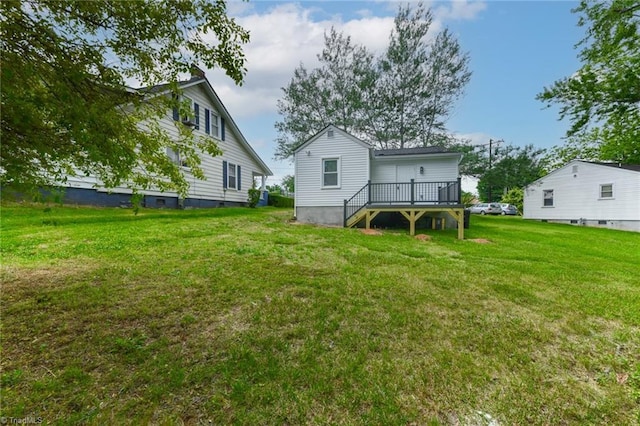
<point x="587" y="193"/>
<point x="229" y="176"/>
<point x="342" y="180"/>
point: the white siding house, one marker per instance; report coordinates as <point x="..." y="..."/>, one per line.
<point x="329" y="168"/>
<point x="334" y="168"/>
<point x="586" y="193"/>
<point x="228" y="176"/>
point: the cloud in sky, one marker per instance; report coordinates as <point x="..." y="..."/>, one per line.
<point x="288" y="34"/>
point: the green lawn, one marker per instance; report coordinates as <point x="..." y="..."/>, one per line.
<point x="239" y="316"/>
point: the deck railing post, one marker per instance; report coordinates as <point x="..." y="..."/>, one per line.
<point x="368" y="192"/>
<point x="344" y="219"/>
<point x="459" y="190"/>
<point x="412" y="191"/>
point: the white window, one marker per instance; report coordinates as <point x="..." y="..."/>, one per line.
<point x="175" y="157"/>
<point x="192" y="118"/>
<point x="606" y="190"/>
<point x="547" y="196"/>
<point x="330" y="173"/>
<point x="188" y="101"/>
<point x="215" y="125"/>
<point x="231" y="176"/>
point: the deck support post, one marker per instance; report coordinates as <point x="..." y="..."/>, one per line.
<point x="458" y="215"/>
<point x="412" y="216"/>
<point x="371" y="214"/>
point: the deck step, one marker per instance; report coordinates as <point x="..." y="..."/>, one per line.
<point x="353" y="220"/>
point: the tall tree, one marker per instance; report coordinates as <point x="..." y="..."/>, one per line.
<point x="65" y="107"/>
<point x="401" y="99"/>
<point x="403" y="78"/>
<point x="513" y="167"/>
<point x="334" y="93"/>
<point x="447" y="75"/>
<point x="602" y="99"/>
<point x="420" y="80"/>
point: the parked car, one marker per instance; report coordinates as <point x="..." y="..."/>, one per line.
<point x="509" y="209"/>
<point x="486" y="208"/>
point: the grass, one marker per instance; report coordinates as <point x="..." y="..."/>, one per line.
<point x="239" y="316"/>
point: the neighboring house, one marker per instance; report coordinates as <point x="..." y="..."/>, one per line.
<point x="341" y="180"/>
<point x="587" y="193"/>
<point x="228" y="176"/>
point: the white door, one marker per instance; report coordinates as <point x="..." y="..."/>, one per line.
<point x="404" y="174"/>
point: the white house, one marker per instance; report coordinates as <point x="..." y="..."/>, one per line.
<point x="587" y="193"/>
<point x="341" y="180"/>
<point x="228" y="176"/>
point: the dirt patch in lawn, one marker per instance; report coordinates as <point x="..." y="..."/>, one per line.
<point x="370" y="232"/>
<point x="481" y="241"/>
<point x="20" y="279"/>
<point x="423" y="237"/>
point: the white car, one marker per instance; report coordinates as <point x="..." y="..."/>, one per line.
<point x="486" y="208"/>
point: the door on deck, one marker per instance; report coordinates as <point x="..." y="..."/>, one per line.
<point x="404" y="174"/>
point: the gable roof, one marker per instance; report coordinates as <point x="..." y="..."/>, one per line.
<point x="632" y="167"/>
<point x="626" y="167"/>
<point x="195" y="80"/>
<point x="334" y="128"/>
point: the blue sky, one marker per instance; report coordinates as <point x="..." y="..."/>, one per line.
<point x="516" y="49"/>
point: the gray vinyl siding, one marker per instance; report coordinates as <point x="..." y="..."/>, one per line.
<point x="436" y="169"/>
<point x="233" y="151"/>
<point x="353" y="170"/>
<point x="577" y="195"/>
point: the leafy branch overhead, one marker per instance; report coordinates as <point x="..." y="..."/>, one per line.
<point x="602" y="99"/>
<point x="65" y="107"/>
<point x="400" y="99"/>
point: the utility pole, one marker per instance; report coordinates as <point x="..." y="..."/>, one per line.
<point x="491" y="143"/>
<point x="490" y="151"/>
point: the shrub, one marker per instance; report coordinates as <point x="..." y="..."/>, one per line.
<point x="278" y="200"/>
<point x="254" y="197"/>
<point x="514" y="196"/>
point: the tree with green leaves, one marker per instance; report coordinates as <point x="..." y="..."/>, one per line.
<point x="419" y="80"/>
<point x="512" y="167"/>
<point x="514" y="196"/>
<point x="289" y="183"/>
<point x="334" y="93"/>
<point x="602" y="99"/>
<point x="65" y="107"/>
<point x="402" y="99"/>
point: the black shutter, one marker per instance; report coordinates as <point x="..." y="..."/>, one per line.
<point x="224" y="174"/>
<point x="196" y="112"/>
<point x="222" y="126"/>
<point x="176" y="113"/>
<point x="207" y="121"/>
<point x="239" y="174"/>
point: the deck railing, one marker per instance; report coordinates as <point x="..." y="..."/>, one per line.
<point x="400" y="193"/>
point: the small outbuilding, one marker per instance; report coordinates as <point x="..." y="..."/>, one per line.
<point x="587" y="193"/>
<point x="342" y="180"/>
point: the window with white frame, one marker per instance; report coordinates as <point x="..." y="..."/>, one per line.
<point x="215" y="125"/>
<point x="192" y="118"/>
<point x="232" y="176"/>
<point x="606" y="190"/>
<point x="330" y="172"/>
<point x="547" y="196"/>
<point x="175" y="157"/>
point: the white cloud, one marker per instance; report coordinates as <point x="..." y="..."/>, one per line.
<point x="281" y="39"/>
<point x="475" y="138"/>
<point x="288" y="34"/>
<point x="459" y="10"/>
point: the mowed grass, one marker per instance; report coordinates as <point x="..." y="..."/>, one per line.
<point x="240" y="316"/>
